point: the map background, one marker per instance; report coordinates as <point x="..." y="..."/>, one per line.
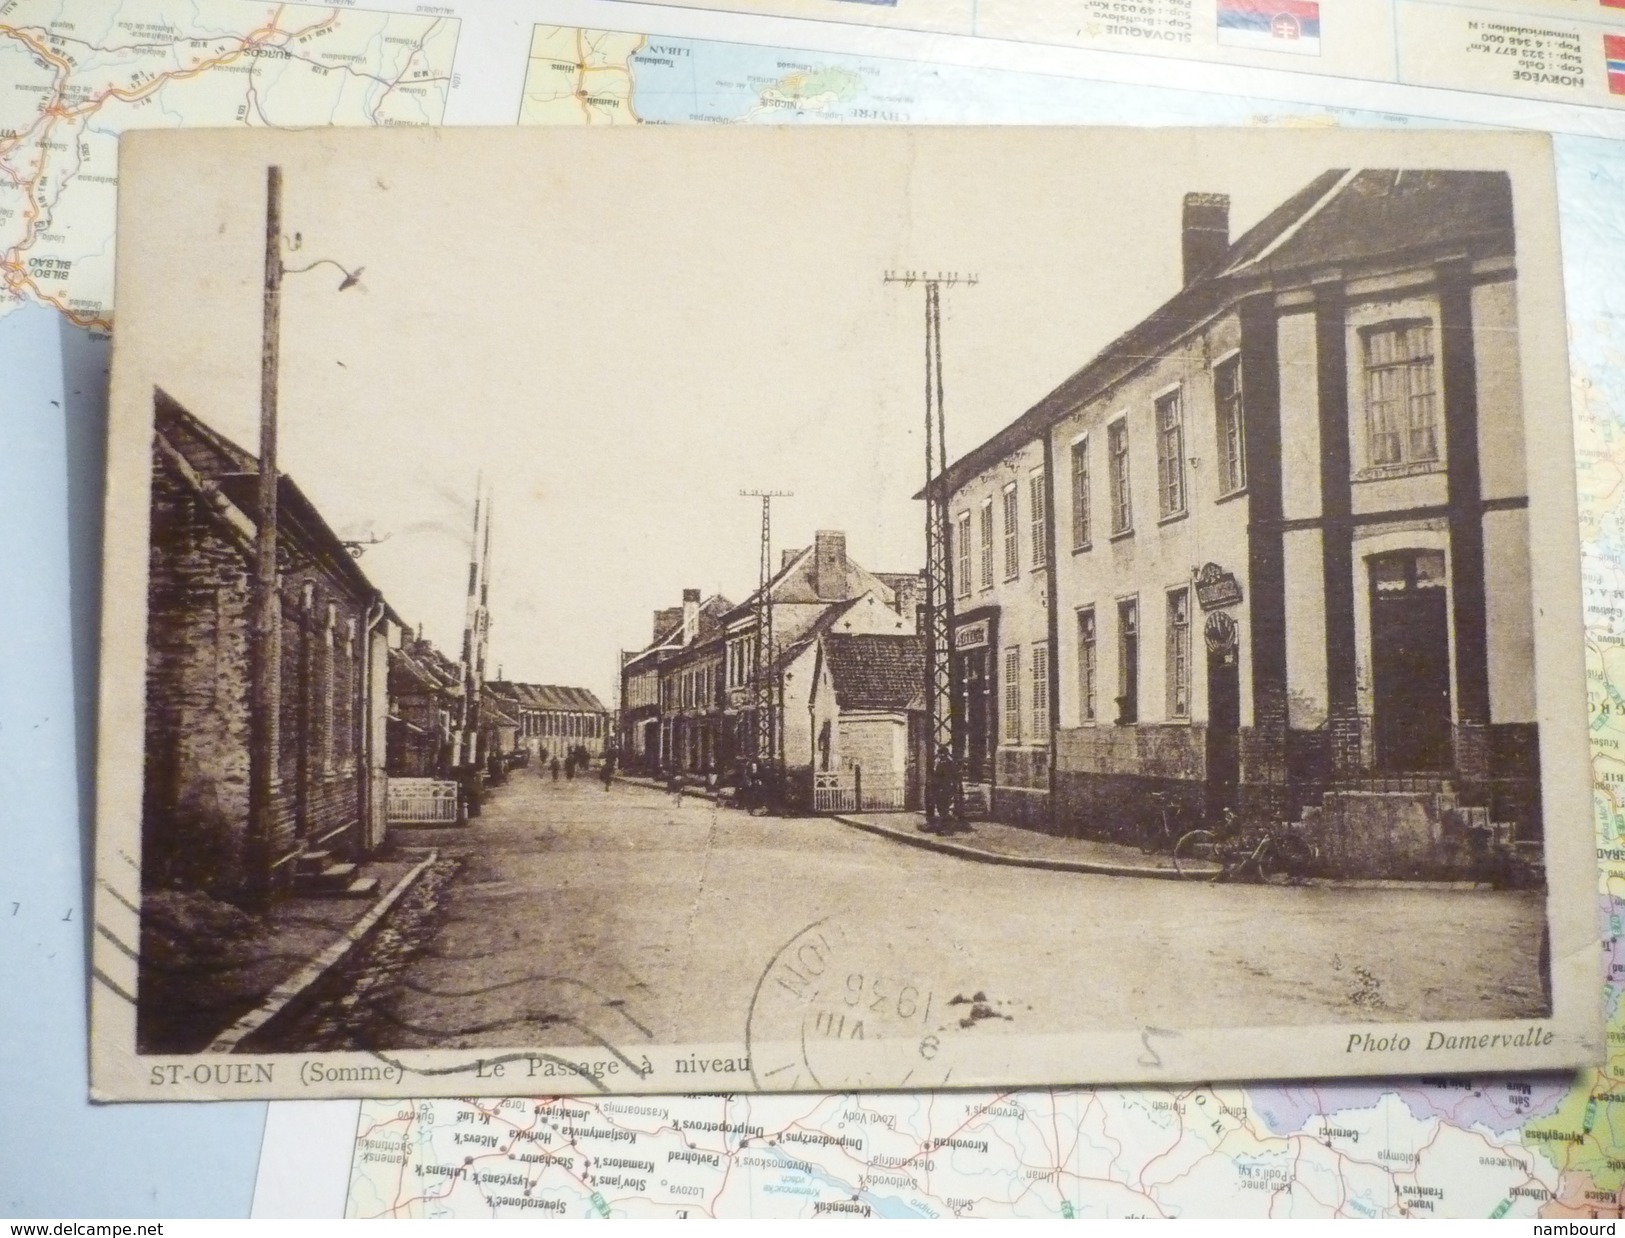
<point x="64" y="1156"/>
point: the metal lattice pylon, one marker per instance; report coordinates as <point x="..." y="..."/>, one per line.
<point x="761" y="676"/>
<point x="939" y="601"/>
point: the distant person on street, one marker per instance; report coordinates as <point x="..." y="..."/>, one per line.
<point x="570" y="767"/>
<point x="674" y="784"/>
<point x="555" y="768"/>
<point x="945" y="793"/>
<point x="607" y="772"/>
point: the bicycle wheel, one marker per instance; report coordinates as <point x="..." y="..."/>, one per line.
<point x="1199" y="856"/>
<point x="1285" y="858"/>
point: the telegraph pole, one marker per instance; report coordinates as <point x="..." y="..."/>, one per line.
<point x="264" y="602"/>
<point x="762" y="695"/>
<point x="265" y="644"/>
<point x="939" y="601"/>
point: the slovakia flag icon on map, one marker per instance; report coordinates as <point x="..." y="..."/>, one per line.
<point x="1613" y="50"/>
<point x="1271" y="25"/>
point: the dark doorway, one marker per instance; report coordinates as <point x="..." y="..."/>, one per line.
<point x="1410" y="661"/>
<point x="1223" y="714"/>
<point x="974" y="736"/>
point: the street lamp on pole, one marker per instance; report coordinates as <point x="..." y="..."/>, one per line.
<point x="265" y="661"/>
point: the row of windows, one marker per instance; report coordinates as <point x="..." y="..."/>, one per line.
<point x="742" y="661"/>
<point x="1173" y="491"/>
<point x="1036" y="532"/>
<point x="563" y="726"/>
<point x="1176" y="660"/>
<point x="691" y="688"/>
<point x="1401" y="428"/>
<point x="1026" y="698"/>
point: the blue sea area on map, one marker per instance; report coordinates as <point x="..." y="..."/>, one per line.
<point x="61" y="1155"/>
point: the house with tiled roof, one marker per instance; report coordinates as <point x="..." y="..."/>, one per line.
<point x="866" y="704"/>
<point x="811" y="581"/>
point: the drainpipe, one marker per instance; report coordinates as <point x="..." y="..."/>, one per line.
<point x="376" y="609"/>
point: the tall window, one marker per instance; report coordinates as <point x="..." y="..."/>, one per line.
<point x="1040" y="692"/>
<point x="1012" y="533"/>
<point x="1088" y="666"/>
<point x="1012" y="694"/>
<point x="987" y="543"/>
<point x="1128" y="661"/>
<point x="1080" y="494"/>
<point x="1117" y="451"/>
<point x="1171" y="454"/>
<point x="1179" y="653"/>
<point x="1399" y="394"/>
<point x="1037" y="518"/>
<point x="962" y="555"/>
<point x="1227" y="422"/>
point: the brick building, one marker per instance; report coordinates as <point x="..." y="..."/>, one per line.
<point x="329" y="732"/>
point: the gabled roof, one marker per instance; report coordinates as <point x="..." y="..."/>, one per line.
<point x="713" y="611"/>
<point x="548" y="697"/>
<point x="876" y="672"/>
<point x="235" y="474"/>
<point x="1341" y="218"/>
<point x="824" y="623"/>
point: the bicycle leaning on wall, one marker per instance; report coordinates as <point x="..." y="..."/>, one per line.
<point x="1233" y="852"/>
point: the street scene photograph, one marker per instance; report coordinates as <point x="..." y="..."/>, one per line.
<point x="815" y="608"/>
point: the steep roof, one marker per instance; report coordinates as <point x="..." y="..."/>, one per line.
<point x="713" y="611"/>
<point x="235" y="474"/>
<point x="1341" y="217"/>
<point x="876" y="672"/>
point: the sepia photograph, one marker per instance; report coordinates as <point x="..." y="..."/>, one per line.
<point x="678" y="610"/>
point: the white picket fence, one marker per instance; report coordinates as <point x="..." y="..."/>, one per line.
<point x="848" y="790"/>
<point x="421" y="801"/>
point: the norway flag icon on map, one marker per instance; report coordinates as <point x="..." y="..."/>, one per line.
<point x="1613" y="50"/>
<point x="1271" y="25"/>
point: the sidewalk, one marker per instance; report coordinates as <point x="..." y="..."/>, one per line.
<point x="212" y="973"/>
<point x="993" y="843"/>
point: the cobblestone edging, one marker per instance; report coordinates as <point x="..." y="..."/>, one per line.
<point x="286" y="996"/>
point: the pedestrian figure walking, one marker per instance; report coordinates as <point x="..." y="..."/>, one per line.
<point x="570" y="767"/>
<point x="607" y="772"/>
<point x="555" y="768"/>
<point x="674" y="784"/>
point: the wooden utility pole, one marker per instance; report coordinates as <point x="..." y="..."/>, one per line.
<point x="264" y="598"/>
<point x="939" y="601"/>
<point x="265" y="637"/>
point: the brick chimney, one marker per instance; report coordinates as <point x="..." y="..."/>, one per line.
<point x="691" y="615"/>
<point x="787" y="555"/>
<point x="1205" y="234"/>
<point x="829" y="564"/>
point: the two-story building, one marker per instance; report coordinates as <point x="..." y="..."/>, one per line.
<point x="1290" y="564"/>
<point x="999" y="562"/>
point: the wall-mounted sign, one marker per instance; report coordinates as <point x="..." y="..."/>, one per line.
<point x="971" y="636"/>
<point x="1219" y="631"/>
<point x="1216" y="587"/>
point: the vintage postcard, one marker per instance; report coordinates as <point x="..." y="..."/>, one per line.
<point x="715" y="610"/>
